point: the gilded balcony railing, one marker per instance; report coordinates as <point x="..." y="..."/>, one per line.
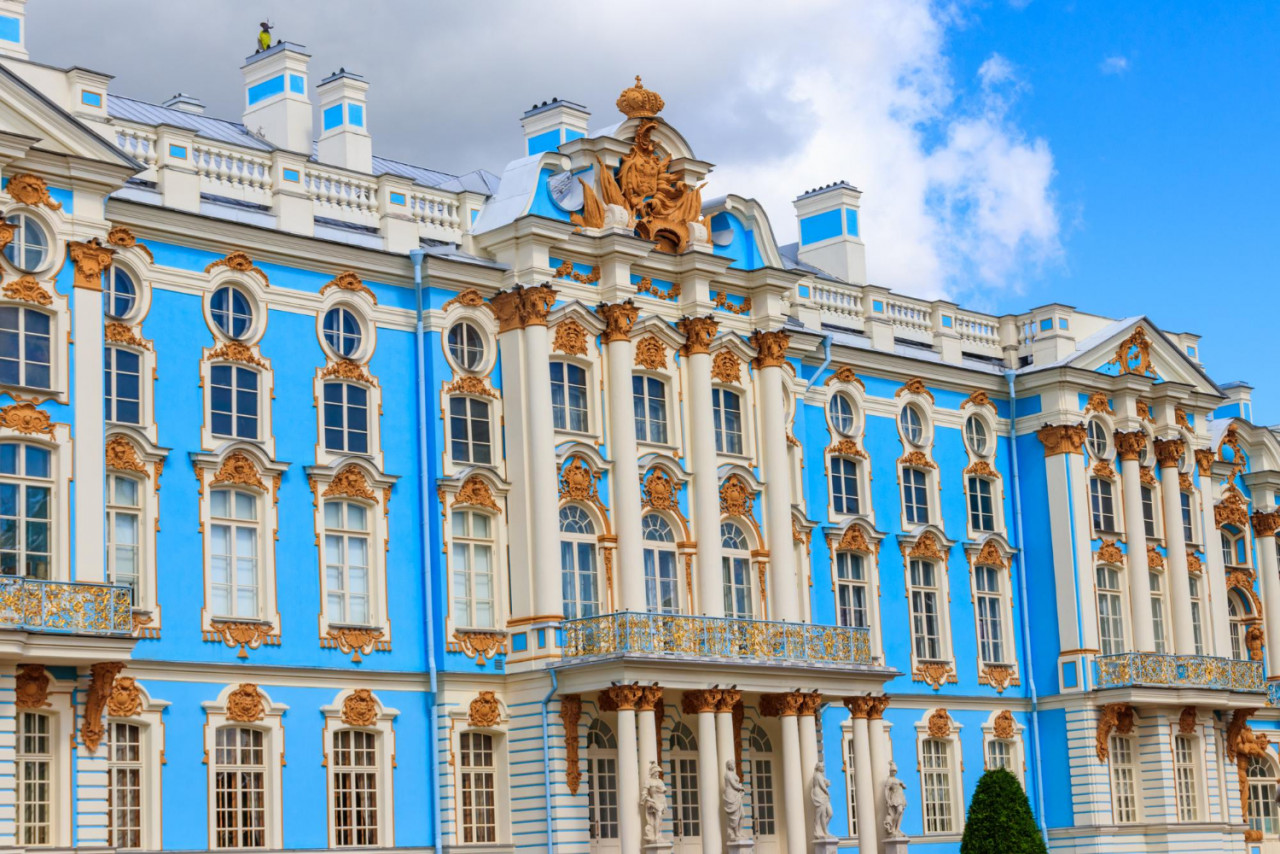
<point x="64" y="608"/>
<point x="672" y="635"/>
<point x="1178" y="671"/>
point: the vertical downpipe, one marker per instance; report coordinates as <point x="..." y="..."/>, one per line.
<point x="546" y="760"/>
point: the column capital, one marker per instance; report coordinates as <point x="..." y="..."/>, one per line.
<point x="521" y="307"/>
<point x="1061" y="439"/>
<point x="878" y="705"/>
<point x="771" y="348"/>
<point x="1169" y="452"/>
<point x="618" y="319"/>
<point x="698" y="332"/>
<point x="90" y="259"/>
<point x="505" y="306"/>
<point x="782" y="705"/>
<point x="650" y="698"/>
<point x="1204" y="461"/>
<point x="729" y="697"/>
<point x="810" y="704"/>
<point x="1266" y="524"/>
<point x="859" y="707"/>
<point x="699" y="702"/>
<point x="1129" y="446"/>
<point x="620" y="698"/>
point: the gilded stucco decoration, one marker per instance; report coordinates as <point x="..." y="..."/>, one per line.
<point x="25" y="418"/>
<point x="845" y="374"/>
<point x="470" y="385"/>
<point x="1061" y="439"/>
<point x="1104" y="470"/>
<point x="651" y="354"/>
<point x="1187" y="721"/>
<point x="32" y="687"/>
<point x="771" y="348"/>
<point x="659" y="492"/>
<point x="237" y="351"/>
<point x="28" y="189"/>
<point x="476" y="492"/>
<point x="6" y="234"/>
<point x="1113" y="717"/>
<point x="122" y="456"/>
<point x="915" y="385"/>
<point x="1180" y="418"/>
<point x="998" y="676"/>
<point x="239" y="469"/>
<point x="726" y="367"/>
<point x="1003" y="726"/>
<point x="990" y="555"/>
<point x="1144" y="411"/>
<point x="354" y="641"/>
<point x="27" y="289"/>
<point x="520" y="307"/>
<point x="351" y="483"/>
<point x="1231" y="510"/>
<point x="736" y="498"/>
<point x="1155" y="560"/>
<point x="1147" y="477"/>
<point x="639" y="102"/>
<point x="579" y="483"/>
<point x="360" y="708"/>
<point x="1241" y="744"/>
<point x="91" y="259"/>
<point x="621" y="697"/>
<point x="926" y="547"/>
<point x="618" y="320"/>
<point x="982" y="468"/>
<point x="345" y="369"/>
<point x="1266" y="524"/>
<point x="1238" y="459"/>
<point x="1184" y="482"/>
<point x="246" y="636"/>
<point x="917" y="459"/>
<point x="241" y="263"/>
<point x="847" y="448"/>
<point x="349" y="281"/>
<point x="646" y="286"/>
<point x="120" y="333"/>
<point x="721" y="301"/>
<point x="123" y="237"/>
<point x="854" y="539"/>
<point x="1253" y="640"/>
<point x="1098" y="402"/>
<point x="1133" y="356"/>
<point x="933" y="673"/>
<point x="979" y="398"/>
<point x="1130" y="445"/>
<point x="481" y="646"/>
<point x="1110" y="553"/>
<point x="1194" y="566"/>
<point x="566" y="271"/>
<point x="939" y="724"/>
<point x="783" y="705"/>
<point x="102" y="677"/>
<point x="245" y="704"/>
<point x="698" y="332"/>
<point x="878" y="706"/>
<point x="859" y="707"/>
<point x="570" y="715"/>
<point x="126" y="698"/>
<point x="570" y="338"/>
<point x="470" y="298"/>
<point x="484" y="710"/>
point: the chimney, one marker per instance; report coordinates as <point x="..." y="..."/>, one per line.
<point x="184" y="103"/>
<point x="276" y="103"/>
<point x="13" y="28"/>
<point x="1239" y="401"/>
<point x="551" y="124"/>
<point x="829" y="240"/>
<point x="344" y="131"/>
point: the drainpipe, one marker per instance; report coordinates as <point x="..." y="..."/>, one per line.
<point x="826" y="360"/>
<point x="427" y="595"/>
<point x="1019" y="560"/>
<point x="546" y="764"/>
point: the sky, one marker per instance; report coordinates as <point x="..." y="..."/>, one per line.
<point x="1117" y="157"/>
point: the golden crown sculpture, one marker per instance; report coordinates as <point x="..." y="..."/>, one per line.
<point x="639" y="102"/>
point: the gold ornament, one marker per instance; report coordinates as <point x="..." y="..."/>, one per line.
<point x="570" y="338"/>
<point x="1129" y="446"/>
<point x="482" y="646"/>
<point x="25" y="418"/>
<point x="854" y="540"/>
<point x="1110" y="553"/>
<point x="618" y="320"/>
<point x="570" y="714"/>
<point x="845" y="374"/>
<point x="699" y="332"/>
<point x="28" y="189"/>
<point x="91" y="259"/>
<point x="1187" y="721"/>
<point x="360" y="708"/>
<point x="245" y="704"/>
<point x="917" y="459"/>
<point x="998" y="676"/>
<point x="978" y="398"/>
<point x="238" y="468"/>
<point x="350" y="482"/>
<point x="122" y="456"/>
<point x="771" y="349"/>
<point x="939" y="724"/>
<point x="646" y="286"/>
<point x="1061" y="439"/>
<point x="27" y="289"/>
<point x="1098" y="402"/>
<point x="349" y="281"/>
<point x="100" y="685"/>
<point x="1231" y="510"/>
<point x="476" y="492"/>
<point x="926" y="547"/>
<point x="915" y="385"/>
<point x="345" y="369"/>
<point x="470" y="298"/>
<point x="243" y="635"/>
<point x="736" y="498"/>
<point x="119" y="333"/>
<point x="1003" y="726"/>
<point x="32" y="687"/>
<point x="126" y="698"/>
<point x="726" y="367"/>
<point x="235" y="351"/>
<point x="484" y="710"/>
<point x="933" y="673"/>
<point x="124" y="238"/>
<point x="1133" y="356"/>
<point x="240" y="262"/>
<point x="639" y="102"/>
<point x="353" y="640"/>
<point x="470" y="385"/>
<point x="1114" y="716"/>
<point x="651" y="353"/>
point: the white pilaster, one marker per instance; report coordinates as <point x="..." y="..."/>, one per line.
<point x="513" y="442"/>
<point x="878" y="735"/>
<point x="1184" y="642"/>
<point x="786" y="706"/>
<point x="626" y="470"/>
<point x="1264" y="528"/>
<point x="629" y="826"/>
<point x="1136" y="541"/>
<point x="90" y="438"/>
<point x="807" y="727"/>
<point x="646" y="730"/>
<point x="544" y="494"/>
<point x="1217" y="572"/>
<point x="699" y="332"/>
<point x="772" y="347"/>
<point x="864" y="791"/>
<point x="704" y="704"/>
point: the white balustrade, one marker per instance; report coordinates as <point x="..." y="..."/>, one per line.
<point x="233" y="173"/>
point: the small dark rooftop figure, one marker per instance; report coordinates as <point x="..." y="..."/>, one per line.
<point x="264" y="37"/>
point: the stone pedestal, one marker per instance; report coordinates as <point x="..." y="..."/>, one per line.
<point x="740" y="846"/>
<point x="662" y="846"/>
<point x="826" y="846"/>
<point x="896" y="845"/>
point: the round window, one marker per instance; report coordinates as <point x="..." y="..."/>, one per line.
<point x="29" y="248"/>
<point x="912" y="424"/>
<point x="840" y="409"/>
<point x="1098" y="442"/>
<point x="466" y="346"/>
<point x="231" y="311"/>
<point x="121" y="294"/>
<point x="975" y="433"/>
<point x="342" y="331"/>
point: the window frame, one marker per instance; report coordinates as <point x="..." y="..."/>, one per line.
<point x="835" y="481"/>
<point x="148" y="716"/>
<point x="1003" y="619"/>
<point x="344" y="408"/>
<point x="271" y="725"/>
<point x="1098" y="501"/>
<point x="577" y="545"/>
<point x="113" y="509"/>
<point x="948" y="746"/>
<point x="467" y="543"/>
<point x="347" y="532"/>
<point x="111" y="353"/>
<point x="496" y="748"/>
<point x="359" y="350"/>
<point x="1186" y="749"/>
<point x="654" y="581"/>
<point x="645" y="378"/>
<point x="565" y="409"/>
<point x="977" y="515"/>
<point x="720" y="429"/>
<point x="729" y="566"/>
<point x="452" y="442"/>
<point x="1119" y="595"/>
<point x="910" y="504"/>
<point x="56" y="522"/>
<point x="16" y="216"/>
<point x="854" y="415"/>
<point x="24" y="311"/>
<point x="937" y="590"/>
<point x="1119" y="761"/>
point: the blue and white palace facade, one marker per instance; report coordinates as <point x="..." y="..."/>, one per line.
<point x="345" y="503"/>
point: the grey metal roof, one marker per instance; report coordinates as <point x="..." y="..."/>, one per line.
<point x="219" y="130"/>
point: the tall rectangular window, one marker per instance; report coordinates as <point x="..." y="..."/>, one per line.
<point x="1124" y="774"/>
<point x="602" y="794"/>
<point x="1188" y="526"/>
<point x="982" y="514"/>
<point x="925" y="627"/>
<point x="471" y="556"/>
<point x="851" y="590"/>
<point x="346" y="563"/>
<point x="726" y="409"/>
<point x="1197" y="623"/>
<point x="844" y="485"/>
<point x="1102" y="504"/>
<point x="124" y="528"/>
<point x="25" y="347"/>
<point x="850" y="784"/>
<point x="469" y="435"/>
<point x="1110" y="611"/>
<point x="915" y="496"/>
<point x="123" y="385"/>
<point x="233" y="553"/>
<point x="1184" y="777"/>
<point x="935" y="784"/>
<point x="346" y="418"/>
<point x="1000" y="755"/>
<point x="240" y="789"/>
<point x="477" y="784"/>
<point x="233" y="400"/>
<point x="990" y="602"/>
<point x="355" y="788"/>
<point x="1149" y="511"/>
<point x="568" y="397"/>
<point x="26" y="510"/>
<point x="763" y="810"/>
<point x="1157" y="613"/>
<point x="650" y="398"/>
<point x="34" y="767"/>
<point x="124" y="796"/>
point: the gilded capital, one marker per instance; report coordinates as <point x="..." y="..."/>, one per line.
<point x="699" y="702"/>
<point x="1204" y="461"/>
<point x="535" y="305"/>
<point x="1129" y="446"/>
<point x="859" y="707"/>
<point x="771" y="348"/>
<point x="650" y="698"/>
<point x="810" y="703"/>
<point x="505" y="306"/>
<point x="1061" y="439"/>
<point x="878" y="705"/>
<point x="618" y="320"/>
<point x="698" y="333"/>
<point x="90" y="260"/>
<point x="1266" y="524"/>
<point x="622" y="697"/>
<point x="782" y="705"/>
<point x="729" y="697"/>
<point x="1169" y="452"/>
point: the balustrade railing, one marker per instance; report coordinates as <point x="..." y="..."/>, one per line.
<point x="1144" y="669"/>
<point x="30" y="604"/>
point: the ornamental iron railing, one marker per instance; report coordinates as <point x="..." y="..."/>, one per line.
<point x="61" y="607"/>
<point x="1178" y="671"/>
<point x="672" y="635"/>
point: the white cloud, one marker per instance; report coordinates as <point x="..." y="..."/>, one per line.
<point x="1114" y="65"/>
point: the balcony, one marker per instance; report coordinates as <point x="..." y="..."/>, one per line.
<point x="57" y="607"/>
<point x="670" y="636"/>
<point x="1144" y="669"/>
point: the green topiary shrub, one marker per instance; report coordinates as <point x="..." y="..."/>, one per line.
<point x="1000" y="820"/>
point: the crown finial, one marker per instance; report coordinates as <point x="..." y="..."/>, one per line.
<point x="639" y="102"/>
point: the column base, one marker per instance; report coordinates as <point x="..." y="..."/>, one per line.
<point x="662" y="846"/>
<point x="896" y="845"/>
<point x="735" y="846"/>
<point x="826" y="846"/>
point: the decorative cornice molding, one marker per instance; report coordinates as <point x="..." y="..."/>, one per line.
<point x="239" y="262"/>
<point x="349" y="281"/>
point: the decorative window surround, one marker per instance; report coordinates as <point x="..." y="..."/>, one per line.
<point x="23" y="422"/>
<point x="362" y="709"/>
<point x="731" y="370"/>
<point x="130" y="702"/>
<point x="858" y="536"/>
<point x="26" y="291"/>
<point x="238" y="355"/>
<point x="573" y="331"/>
<point x="130" y="453"/>
<point x="478" y="490"/>
<point x="995" y="552"/>
<point x="928" y="543"/>
<point x="656" y="349"/>
<point x="1002" y="726"/>
<point x="247" y="705"/>
<point x="39" y="691"/>
<point x="481" y="713"/>
<point x="937" y="725"/>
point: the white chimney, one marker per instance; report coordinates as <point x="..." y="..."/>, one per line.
<point x="344" y="122"/>
<point x="551" y="124"/>
<point x="275" y="90"/>
<point x="185" y="103"/>
<point x="13" y="28"/>
<point x="829" y="228"/>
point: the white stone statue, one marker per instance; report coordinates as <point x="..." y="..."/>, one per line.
<point x="894" y="793"/>
<point x="653" y="800"/>
<point x="731" y="801"/>
<point x="820" y="796"/>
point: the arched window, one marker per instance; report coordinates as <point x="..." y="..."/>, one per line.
<point x="124" y="533"/>
<point x="840" y="411"/>
<point x="763" y="804"/>
<point x="844" y="486"/>
<point x="602" y="781"/>
<point x="1237" y="613"/>
<point x="355" y="788"/>
<point x="231" y="311"/>
<point x="26" y="510"/>
<point x="578" y="563"/>
<point x="1102" y="504"/>
<point x="661" y="586"/>
<point x="975" y="435"/>
<point x="736" y="559"/>
<point x="122" y="378"/>
<point x="125" y="792"/>
<point x="466" y="346"/>
<point x="29" y="248"/>
<point x="37" y="802"/>
<point x="1235" y="546"/>
<point x="1264" y="816"/>
<point x="1099" y="442"/>
<point x="926" y="626"/>
<point x="1157" y="612"/>
<point x="120" y="295"/>
<point x="1110" y="611"/>
<point x="682" y="778"/>
<point x="915" y="496"/>
<point x="240" y="788"/>
<point x="342" y="331"/>
<point x="26" y="350"/>
<point x="234" y="401"/>
<point x="569" y="397"/>
<point x="478" y="788"/>
<point x="233" y="553"/>
<point x="471" y="555"/>
<point x="346" y="418"/>
<point x="469" y="431"/>
<point x="346" y="563"/>
<point x="982" y="512"/>
<point x="649" y="395"/>
<point x="911" y="422"/>
<point x="851" y="590"/>
<point x="726" y="410"/>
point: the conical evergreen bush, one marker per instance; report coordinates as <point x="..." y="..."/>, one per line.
<point x="1000" y="820"/>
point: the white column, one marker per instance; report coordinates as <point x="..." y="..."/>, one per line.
<point x="699" y="332"/>
<point x="1217" y="572"/>
<point x="544" y="494"/>
<point x="629" y="827"/>
<point x="513" y="443"/>
<point x="622" y="447"/>
<point x="1168" y="454"/>
<point x="1129" y="446"/>
<point x="703" y="704"/>
<point x="1264" y="528"/>
<point x="772" y="348"/>
<point x="725" y="741"/>
<point x="786" y="707"/>
<point x="89" y="450"/>
<point x="807" y="727"/>
<point x="864" y="790"/>
<point x="879" y="754"/>
<point x="647" y="728"/>
<point x="1068" y="493"/>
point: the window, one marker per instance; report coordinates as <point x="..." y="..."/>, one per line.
<point x="568" y="397"/>
<point x="736" y="560"/>
<point x="233" y="553"/>
<point x="578" y="563"/>
<point x="346" y="563"/>
<point x="122" y="382"/>
<point x="1197" y="624"/>
<point x="1184" y="777"/>
<point x="915" y="496"/>
<point x="975" y="436"/>
<point x="602" y="781"/>
<point x="1110" y="611"/>
<point x="124" y="797"/>
<point x="25" y="347"/>
<point x="1124" y="789"/>
<point x="926" y="631"/>
<point x="1157" y="613"/>
<point x="1148" y="511"/>
<point x="935" y="784"/>
<point x="469" y="431"/>
<point x="850" y="784"/>
<point x="661" y="587"/>
<point x="233" y="400"/>
<point x="840" y="411"/>
<point x="124" y="533"/>
<point x="682" y="778"/>
<point x="1264" y="815"/>
<point x="120" y="295"/>
<point x="29" y="248"/>
<point x="1236" y="613"/>
<point x="473" y="571"/>
<point x="1188" y="526"/>
<point x="1103" y="507"/>
<point x="851" y="590"/>
<point x="990" y="614"/>
<point x="355" y="788"/>
<point x="240" y="788"/>
<point x="650" y="396"/>
<point x="1235" y="549"/>
<point x="342" y="331"/>
<point x="478" y="788"/>
<point x="231" y="311"/>
<point x="35" y="783"/>
<point x="1098" y="441"/>
<point x="912" y="424"/>
<point x="763" y="808"/>
<point x="726" y="408"/>
<point x="466" y="346"/>
<point x="26" y="498"/>
<point x="844" y="485"/>
<point x="982" y="514"/>
<point x="1000" y="755"/>
<point x="346" y="418"/>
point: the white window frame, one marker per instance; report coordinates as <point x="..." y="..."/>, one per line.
<point x="1186" y="754"/>
<point x="1004" y="615"/>
<point x="942" y="593"/>
<point x="670" y="422"/>
<point x="1121" y="763"/>
<point x="1100" y="516"/>
<point x="58" y="309"/>
<point x="273" y="746"/>
<point x="592" y="541"/>
<point x="459" y="724"/>
<point x="993" y="495"/>
<point x="1160" y="623"/>
<point x="930" y="509"/>
<point x="722" y="434"/>
<point x="659" y="547"/>
<point x="495" y="439"/>
<point x="602" y="761"/>
<point x="149" y="717"/>
<point x="952" y="745"/>
<point x="589" y="390"/>
<point x="143" y="463"/>
<point x="860" y="477"/>
<point x="1120" y="592"/>
<point x="1268" y="823"/>
<point x="1157" y="511"/>
<point x="1016" y="744"/>
<point x="382" y="727"/>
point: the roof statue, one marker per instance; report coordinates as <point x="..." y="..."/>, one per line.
<point x="264" y="37"/>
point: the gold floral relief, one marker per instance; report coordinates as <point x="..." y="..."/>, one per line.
<point x="27" y="289"/>
<point x="349" y="281"/>
<point x="360" y="708"/>
<point x="241" y="263"/>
